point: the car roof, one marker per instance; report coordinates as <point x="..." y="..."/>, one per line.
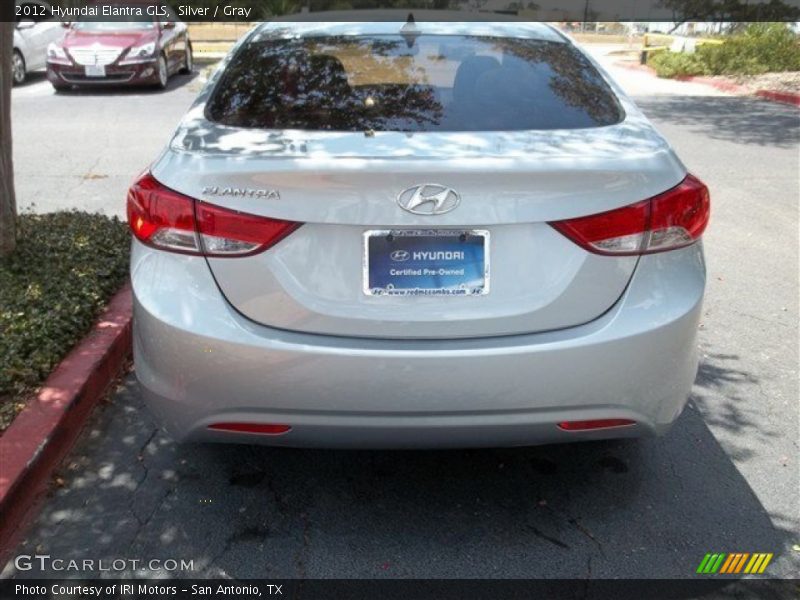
<point x="383" y="22"/>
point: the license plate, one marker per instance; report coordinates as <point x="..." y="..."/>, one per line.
<point x="430" y="262"/>
<point x="95" y="71"/>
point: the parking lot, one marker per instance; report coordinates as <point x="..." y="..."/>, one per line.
<point x="724" y="480"/>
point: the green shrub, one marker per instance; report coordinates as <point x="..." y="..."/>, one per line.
<point x="66" y="267"/>
<point x="676" y="64"/>
<point x="651" y="53"/>
<point x="761" y="48"/>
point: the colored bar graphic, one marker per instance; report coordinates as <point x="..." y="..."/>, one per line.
<point x="703" y="563"/>
<point x="728" y="563"/>
<point x="758" y="563"/>
<point x="766" y="562"/>
<point x="735" y="562"/>
<point x="754" y="562"/>
<point x="740" y="564"/>
<point x="718" y="564"/>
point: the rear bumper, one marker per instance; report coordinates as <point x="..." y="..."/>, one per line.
<point x="145" y="73"/>
<point x="199" y="362"/>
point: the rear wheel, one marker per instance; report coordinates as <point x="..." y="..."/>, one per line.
<point x="162" y="72"/>
<point x="188" y="60"/>
<point x="18" y="72"/>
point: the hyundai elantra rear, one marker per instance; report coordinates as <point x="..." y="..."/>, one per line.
<point x="415" y="235"/>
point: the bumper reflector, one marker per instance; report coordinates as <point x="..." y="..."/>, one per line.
<point x="594" y="424"/>
<point x="260" y="428"/>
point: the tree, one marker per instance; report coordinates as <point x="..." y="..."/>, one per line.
<point x="8" y="203"/>
<point x="729" y="11"/>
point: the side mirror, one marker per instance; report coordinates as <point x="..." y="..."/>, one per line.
<point x="66" y="24"/>
<point x="168" y="25"/>
<point x="26" y="24"/>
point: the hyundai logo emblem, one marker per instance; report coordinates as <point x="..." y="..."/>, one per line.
<point x="400" y="255"/>
<point x="428" y="199"/>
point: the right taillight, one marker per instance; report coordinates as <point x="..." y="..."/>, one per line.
<point x="165" y="219"/>
<point x="670" y="220"/>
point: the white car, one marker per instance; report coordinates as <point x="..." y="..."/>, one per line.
<point x="36" y="29"/>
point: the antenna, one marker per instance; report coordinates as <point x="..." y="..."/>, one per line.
<point x="409" y="31"/>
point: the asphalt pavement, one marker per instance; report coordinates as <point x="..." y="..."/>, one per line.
<point x="82" y="149"/>
<point x="725" y="479"/>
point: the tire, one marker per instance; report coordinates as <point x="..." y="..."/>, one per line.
<point x="162" y="73"/>
<point x="18" y="69"/>
<point x="188" y="60"/>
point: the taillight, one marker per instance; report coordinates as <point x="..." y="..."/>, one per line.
<point x="161" y="217"/>
<point x="670" y="220"/>
<point x="165" y="219"/>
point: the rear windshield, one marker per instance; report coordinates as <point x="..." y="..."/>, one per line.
<point x="412" y="83"/>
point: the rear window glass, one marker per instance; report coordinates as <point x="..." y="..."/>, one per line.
<point x="411" y="83"/>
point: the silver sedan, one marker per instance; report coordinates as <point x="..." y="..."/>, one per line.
<point x="415" y="235"/>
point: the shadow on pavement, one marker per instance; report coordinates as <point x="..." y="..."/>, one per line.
<point x="718" y="381"/>
<point x="647" y="508"/>
<point x="730" y="118"/>
<point x="31" y="78"/>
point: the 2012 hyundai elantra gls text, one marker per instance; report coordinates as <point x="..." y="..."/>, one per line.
<point x="415" y="235"/>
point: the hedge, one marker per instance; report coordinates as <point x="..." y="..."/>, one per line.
<point x="66" y="267"/>
<point x="761" y="48"/>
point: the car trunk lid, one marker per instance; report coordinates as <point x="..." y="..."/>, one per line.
<point x="344" y="184"/>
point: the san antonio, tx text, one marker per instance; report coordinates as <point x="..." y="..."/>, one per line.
<point x="60" y="589"/>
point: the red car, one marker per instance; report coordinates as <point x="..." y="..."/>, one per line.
<point x="146" y="51"/>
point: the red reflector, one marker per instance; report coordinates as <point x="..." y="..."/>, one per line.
<point x="262" y="428"/>
<point x="594" y="424"/>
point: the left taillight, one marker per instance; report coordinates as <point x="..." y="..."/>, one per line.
<point x="167" y="220"/>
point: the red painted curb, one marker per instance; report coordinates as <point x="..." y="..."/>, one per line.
<point x="785" y="97"/>
<point x="41" y="435"/>
<point x="721" y="84"/>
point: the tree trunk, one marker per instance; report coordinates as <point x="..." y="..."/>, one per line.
<point x="8" y="203"/>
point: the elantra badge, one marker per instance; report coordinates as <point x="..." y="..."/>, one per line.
<point x="428" y="199"/>
<point x="232" y="192"/>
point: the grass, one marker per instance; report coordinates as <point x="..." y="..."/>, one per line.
<point x="66" y="267"/>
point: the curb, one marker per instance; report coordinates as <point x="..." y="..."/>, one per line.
<point x="784" y="97"/>
<point x="209" y="57"/>
<point x="38" y="439"/>
<point x="722" y="85"/>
